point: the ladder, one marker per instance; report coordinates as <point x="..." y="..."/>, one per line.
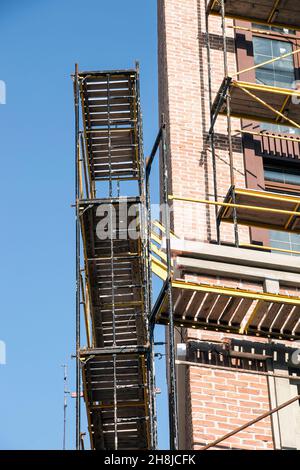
<point x="114" y="284"/>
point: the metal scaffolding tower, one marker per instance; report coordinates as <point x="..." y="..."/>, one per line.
<point x="255" y="102"/>
<point x="113" y="280"/>
<point x="224" y="308"/>
<point x="183" y="303"/>
<point x="114" y="287"/>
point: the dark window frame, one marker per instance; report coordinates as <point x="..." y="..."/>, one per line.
<point x="253" y="163"/>
<point x="248" y="61"/>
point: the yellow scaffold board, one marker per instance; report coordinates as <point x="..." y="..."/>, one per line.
<point x="231" y="310"/>
<point x="280" y="211"/>
<point x="261" y="103"/>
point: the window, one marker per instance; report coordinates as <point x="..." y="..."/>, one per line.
<point x="285" y="241"/>
<point x="284" y="180"/>
<point x="279" y="129"/>
<point x="282" y="175"/>
<point x="273" y="28"/>
<point x="279" y="74"/>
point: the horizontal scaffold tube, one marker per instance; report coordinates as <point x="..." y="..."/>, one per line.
<point x="237" y="206"/>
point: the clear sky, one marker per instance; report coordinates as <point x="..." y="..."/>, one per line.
<point x="41" y="40"/>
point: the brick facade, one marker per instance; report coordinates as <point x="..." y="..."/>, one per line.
<point x="215" y="401"/>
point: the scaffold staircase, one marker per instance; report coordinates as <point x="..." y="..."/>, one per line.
<point x="114" y="284"/>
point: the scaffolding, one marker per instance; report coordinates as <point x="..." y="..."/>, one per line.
<point x="183" y="303"/>
<point x="277" y="13"/>
<point x="255" y="102"/>
<point x="112" y="275"/>
<point x="161" y="145"/>
<point x="114" y="281"/>
<point x="222" y="308"/>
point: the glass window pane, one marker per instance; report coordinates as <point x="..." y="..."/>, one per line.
<point x="292" y="179"/>
<point x="286" y="176"/>
<point x="284" y="66"/>
<point x="265" y="77"/>
<point x="273" y="28"/>
<point x="284" y="80"/>
<point x="280" y="73"/>
<point x="279" y="129"/>
<point x="280" y="47"/>
<point x="285" y="241"/>
<point x="262" y="46"/>
<point x="276" y="176"/>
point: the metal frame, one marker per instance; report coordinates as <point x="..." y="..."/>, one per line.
<point x="161" y="144"/>
<point x="251" y="89"/>
<point x="267" y="195"/>
<point x="224" y="296"/>
<point x="77" y="231"/>
<point x="162" y="266"/>
<point x="161" y="261"/>
<point x="270" y="19"/>
<point x="222" y="105"/>
<point x="270" y="135"/>
<point x="106" y="88"/>
<point x="85" y="198"/>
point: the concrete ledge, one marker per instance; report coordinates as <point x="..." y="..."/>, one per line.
<point x="235" y="256"/>
<point x="236" y="271"/>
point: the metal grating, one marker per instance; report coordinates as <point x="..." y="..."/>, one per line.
<point x="115" y="365"/>
<point x="110" y="120"/>
<point x="132" y="417"/>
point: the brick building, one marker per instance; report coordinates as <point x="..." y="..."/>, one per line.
<point x="217" y="395"/>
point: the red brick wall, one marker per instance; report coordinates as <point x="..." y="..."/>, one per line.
<point x="216" y="402"/>
<point x="184" y="98"/>
<point x="222" y="401"/>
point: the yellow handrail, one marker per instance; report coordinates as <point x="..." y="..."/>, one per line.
<point x="237" y="206"/>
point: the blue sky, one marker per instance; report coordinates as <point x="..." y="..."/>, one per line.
<point x="41" y="40"/>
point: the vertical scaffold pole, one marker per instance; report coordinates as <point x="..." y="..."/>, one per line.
<point x="150" y="324"/>
<point x="145" y="238"/>
<point x="77" y="156"/>
<point x="112" y="235"/>
<point x="173" y="412"/>
<point x="65" y="367"/>
<point x="115" y="401"/>
<point x="212" y="134"/>
<point x="229" y="129"/>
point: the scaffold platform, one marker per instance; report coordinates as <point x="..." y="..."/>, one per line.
<point x="278" y="13"/>
<point x="126" y="285"/>
<point x="231" y="310"/>
<point x="257" y="102"/>
<point x="131" y="394"/>
<point x="222" y="307"/>
<point x="109" y="102"/>
<point x="115" y="365"/>
<point x="264" y="209"/>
